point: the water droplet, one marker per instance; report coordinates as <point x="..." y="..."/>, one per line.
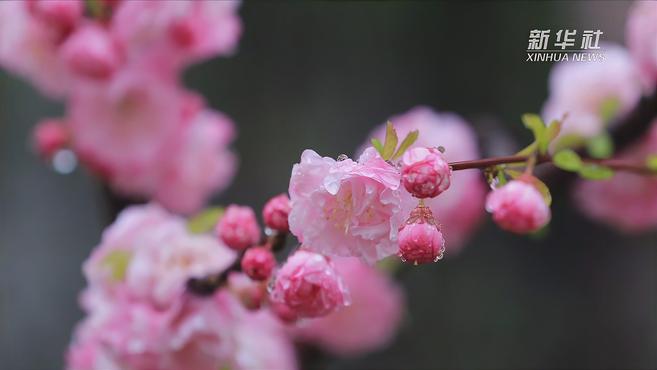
<point x="342" y="157"/>
<point x="64" y="161"/>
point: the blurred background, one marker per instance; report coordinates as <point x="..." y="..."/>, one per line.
<point x="321" y="75"/>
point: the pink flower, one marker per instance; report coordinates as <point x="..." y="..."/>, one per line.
<point x="91" y="52"/>
<point x="276" y="212"/>
<point x="460" y="209"/>
<point x="425" y="173"/>
<point x="238" y="227"/>
<point x="309" y="285"/>
<point x="346" y="208"/>
<point x="371" y="320"/>
<point x="627" y="201"/>
<point x="50" y="135"/>
<point x="148" y="254"/>
<point x="258" y="263"/>
<point x="60" y="14"/>
<point x="200" y="166"/>
<point x="420" y="239"/>
<point x="251" y="293"/>
<point x="29" y="48"/>
<point x="640" y="35"/>
<point x="582" y="90"/>
<point x="518" y="207"/>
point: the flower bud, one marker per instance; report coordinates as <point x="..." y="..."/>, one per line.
<point x="425" y="172"/>
<point x="238" y="228"/>
<point x="284" y="312"/>
<point x="420" y="239"/>
<point x="61" y="14"/>
<point x="91" y="52"/>
<point x="258" y="263"/>
<point x="518" y="207"/>
<point x="49" y="136"/>
<point x="276" y="212"/>
<point x="309" y="285"/>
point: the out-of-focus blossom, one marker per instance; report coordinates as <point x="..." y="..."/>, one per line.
<point x="251" y="293"/>
<point x="50" y="135"/>
<point x="309" y="285"/>
<point x="518" y="207"/>
<point x="29" y="48"/>
<point x="368" y="323"/>
<point x="91" y="52"/>
<point x="60" y="14"/>
<point x="460" y="208"/>
<point x="627" y="201"/>
<point x="238" y="227"/>
<point x="591" y="94"/>
<point x="420" y="239"/>
<point x="275" y="213"/>
<point x="346" y="208"/>
<point x="641" y="40"/>
<point x="425" y="172"/>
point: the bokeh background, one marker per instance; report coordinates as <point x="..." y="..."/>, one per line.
<point x="321" y="75"/>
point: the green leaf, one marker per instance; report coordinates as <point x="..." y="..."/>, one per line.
<point x="514" y="174"/>
<point x="376" y="143"/>
<point x="204" y="221"/>
<point x="595" y="172"/>
<point x="117" y="263"/>
<point x="501" y="178"/>
<point x="406" y="143"/>
<point x="569" y="141"/>
<point x="390" y="143"/>
<point x="568" y="160"/>
<point x="535" y="123"/>
<point x="529" y="149"/>
<point x="609" y="109"/>
<point x="600" y="146"/>
<point x="651" y="162"/>
<point x="551" y="133"/>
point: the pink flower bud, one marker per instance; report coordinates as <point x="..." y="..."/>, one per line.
<point x="238" y="227"/>
<point x="309" y="285"/>
<point x="250" y="293"/>
<point x="276" y="212"/>
<point x="284" y="312"/>
<point x="258" y="263"/>
<point x="518" y="207"/>
<point x="425" y="172"/>
<point x="420" y="239"/>
<point x="62" y="14"/>
<point x="91" y="52"/>
<point x="50" y="135"/>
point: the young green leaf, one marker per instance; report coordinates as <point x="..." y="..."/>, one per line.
<point x="569" y="141"/>
<point x="595" y="172"/>
<point x="204" y="221"/>
<point x="551" y="133"/>
<point x="651" y="162"/>
<point x="535" y="123"/>
<point x="600" y="146"/>
<point x="568" y="160"/>
<point x="390" y="143"/>
<point x="501" y="178"/>
<point x="514" y="174"/>
<point x="609" y="109"/>
<point x="528" y="150"/>
<point x="376" y="143"/>
<point x="406" y="143"/>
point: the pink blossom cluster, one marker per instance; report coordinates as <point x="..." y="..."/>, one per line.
<point x="116" y="65"/>
<point x="141" y="316"/>
<point x="641" y="33"/>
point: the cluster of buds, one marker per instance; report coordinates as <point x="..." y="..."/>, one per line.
<point x="306" y="285"/>
<point x="425" y="174"/>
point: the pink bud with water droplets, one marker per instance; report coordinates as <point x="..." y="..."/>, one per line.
<point x="425" y="172"/>
<point x="258" y="263"/>
<point x="309" y="285"/>
<point x="518" y="207"/>
<point x="238" y="227"/>
<point x="276" y="212"/>
<point x="420" y="238"/>
<point x="49" y="136"/>
<point x="91" y="52"/>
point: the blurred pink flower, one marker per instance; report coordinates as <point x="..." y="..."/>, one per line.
<point x="460" y="208"/>
<point x="518" y="207"/>
<point x="584" y="90"/>
<point x="49" y="136"/>
<point x="29" y="48"/>
<point x="371" y="320"/>
<point x="641" y="34"/>
<point x="627" y="201"/>
<point x="346" y="208"/>
<point x="148" y="254"/>
<point x="91" y="52"/>
<point x="309" y="285"/>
